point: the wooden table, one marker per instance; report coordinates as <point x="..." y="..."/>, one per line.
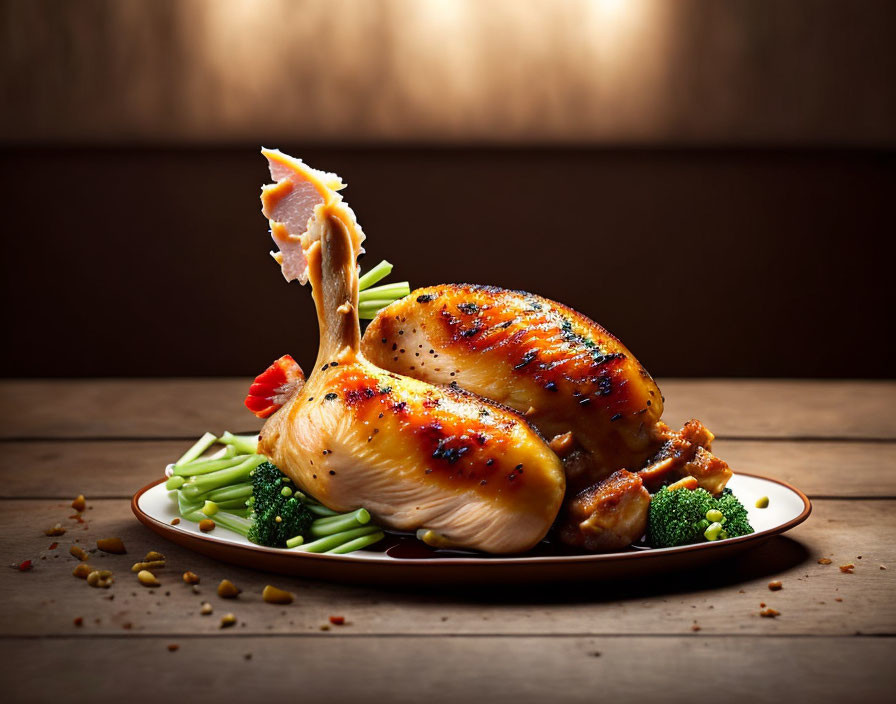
<point x="677" y="638"/>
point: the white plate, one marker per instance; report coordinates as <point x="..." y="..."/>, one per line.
<point x="787" y="508"/>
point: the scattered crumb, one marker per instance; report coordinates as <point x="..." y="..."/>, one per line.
<point x="205" y="609"/>
<point x="337" y="620"/>
<point x="111" y="545"/>
<point x="741" y="591"/>
<point x="25" y="566"/>
<point x="191" y="578"/>
<point x="127" y="625"/>
<point x="883" y="567"/>
<point x="173" y="646"/>
<point x="769" y="613"/>
<point x="847" y="569"/>
<point x="695" y="627"/>
<point x="80" y="503"/>
<point x="79" y="621"/>
<point x="775" y="585"/>
<point x="325" y="627"/>
<point x="595" y="653"/>
<point x="228" y="590"/>
<point x="247" y="656"/>
<point x="53" y="546"/>
<point x="175" y="521"/>
<point x="228" y="620"/>
<point x="824" y="561"/>
<point x="55" y="530"/>
<point x="761" y="604"/>
<point x="838" y="598"/>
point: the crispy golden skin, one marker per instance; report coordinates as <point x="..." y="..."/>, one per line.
<point x="565" y="372"/>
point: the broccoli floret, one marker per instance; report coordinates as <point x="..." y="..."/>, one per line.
<point x="269" y="504"/>
<point x="675" y="516"/>
<point x="678" y="517"/>
<point x="736" y="520"/>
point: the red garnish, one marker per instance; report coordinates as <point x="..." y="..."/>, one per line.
<point x="337" y="620"/>
<point x="25" y="566"/>
<point x="53" y="546"/>
<point x="274" y="386"/>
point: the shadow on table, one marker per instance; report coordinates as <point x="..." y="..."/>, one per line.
<point x="773" y="557"/>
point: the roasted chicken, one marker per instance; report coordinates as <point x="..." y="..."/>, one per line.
<point x="465" y="471"/>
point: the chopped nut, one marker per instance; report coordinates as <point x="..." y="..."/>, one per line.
<point x="172" y="647"/>
<point x="151" y="565"/>
<point x="824" y="561"/>
<point x="55" y="530"/>
<point x="205" y="609"/>
<point x="175" y="521"/>
<point x="847" y="569"/>
<point x="562" y="444"/>
<point x="79" y="621"/>
<point x="769" y="613"/>
<point x="111" y="545"/>
<point x="695" y="627"/>
<point x="228" y="590"/>
<point x="195" y="588"/>
<point x="272" y="595"/>
<point x="191" y="578"/>
<point x="883" y="567"/>
<point x="80" y="503"/>
<point x="775" y="585"/>
<point x="206" y="525"/>
<point x="101" y="579"/>
<point x="153" y="556"/>
<point x="79" y="552"/>
<point x="147" y="578"/>
<point x="82" y="570"/>
<point x="228" y="620"/>
<point x="337" y="620"/>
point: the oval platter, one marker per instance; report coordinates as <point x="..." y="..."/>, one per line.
<point x="788" y="507"/>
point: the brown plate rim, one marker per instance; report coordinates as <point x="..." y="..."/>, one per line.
<point x="494" y="562"/>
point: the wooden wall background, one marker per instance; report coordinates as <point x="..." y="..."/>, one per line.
<point x="713" y="181"/>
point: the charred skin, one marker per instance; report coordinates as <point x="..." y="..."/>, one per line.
<point x="562" y="370"/>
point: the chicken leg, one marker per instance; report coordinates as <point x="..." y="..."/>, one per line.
<point x="469" y="472"/>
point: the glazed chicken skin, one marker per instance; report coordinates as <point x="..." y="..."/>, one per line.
<point x="466" y="471"/>
<point x="571" y="378"/>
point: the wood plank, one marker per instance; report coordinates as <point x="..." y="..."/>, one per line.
<point x="184" y="408"/>
<point x="116" y="469"/>
<point x="784" y="409"/>
<point x="338" y="667"/>
<point x="723" y="599"/>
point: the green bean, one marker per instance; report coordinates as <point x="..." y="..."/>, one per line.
<point x="337" y="539"/>
<point x="336" y="524"/>
<point x="234" y="491"/>
<point x="174" y="482"/>
<point x="247" y="444"/>
<point x="358" y="543"/>
<point x="208" y="466"/>
<point x="200" y="446"/>
<point x="215" y="480"/>
<point x="379" y="272"/>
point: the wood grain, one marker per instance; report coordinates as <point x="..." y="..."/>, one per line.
<point x="116" y="469"/>
<point x="185" y="408"/>
<point x="520" y="670"/>
<point x="722" y="599"/>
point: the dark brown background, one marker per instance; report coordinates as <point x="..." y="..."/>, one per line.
<point x="713" y="182"/>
